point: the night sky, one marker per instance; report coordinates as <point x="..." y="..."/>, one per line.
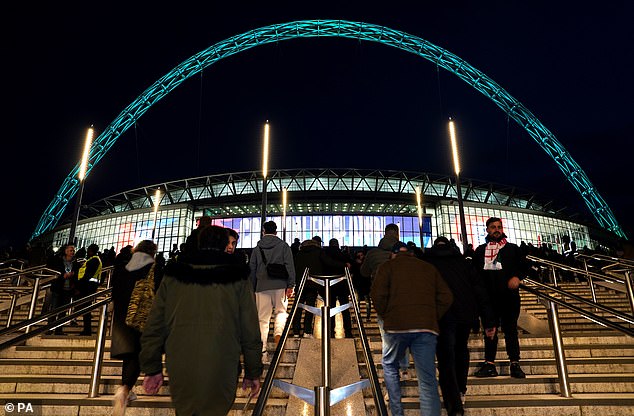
<point x="331" y="102"/>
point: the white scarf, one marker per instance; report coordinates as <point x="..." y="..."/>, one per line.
<point x="491" y="251"/>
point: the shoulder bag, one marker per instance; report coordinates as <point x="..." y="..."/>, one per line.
<point x="274" y="270"/>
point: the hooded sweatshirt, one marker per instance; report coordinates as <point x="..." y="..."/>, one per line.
<point x="275" y="251"/>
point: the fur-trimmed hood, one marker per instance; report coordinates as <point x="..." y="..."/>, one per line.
<point x="207" y="267"/>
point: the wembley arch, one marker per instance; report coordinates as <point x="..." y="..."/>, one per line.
<point x="344" y="29"/>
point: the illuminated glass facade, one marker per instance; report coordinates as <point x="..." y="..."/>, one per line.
<point x="349" y="230"/>
<point x="172" y="227"/>
<point x="351" y="205"/>
<point x="518" y="226"/>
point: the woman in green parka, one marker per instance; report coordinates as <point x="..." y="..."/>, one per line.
<point x="203" y="318"/>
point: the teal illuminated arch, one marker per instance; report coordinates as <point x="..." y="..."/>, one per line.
<point x="345" y="29"/>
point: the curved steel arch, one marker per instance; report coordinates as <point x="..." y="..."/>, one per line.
<point x="335" y="28"/>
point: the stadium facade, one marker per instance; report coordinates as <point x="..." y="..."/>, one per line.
<point x="351" y="205"/>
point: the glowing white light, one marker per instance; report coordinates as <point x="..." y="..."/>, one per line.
<point x="84" y="158"/>
<point x="454" y="147"/>
<point x="284" y="199"/>
<point x="157" y="201"/>
<point x="419" y="204"/>
<point x="265" y="151"/>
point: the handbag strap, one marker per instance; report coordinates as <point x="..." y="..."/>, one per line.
<point x="263" y="256"/>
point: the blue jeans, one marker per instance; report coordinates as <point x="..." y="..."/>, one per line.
<point x="404" y="362"/>
<point x="422" y="346"/>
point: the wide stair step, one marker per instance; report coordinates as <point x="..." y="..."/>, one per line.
<point x="54" y="371"/>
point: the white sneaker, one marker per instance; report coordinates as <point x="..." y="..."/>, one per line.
<point x="120" y="401"/>
<point x="308" y="336"/>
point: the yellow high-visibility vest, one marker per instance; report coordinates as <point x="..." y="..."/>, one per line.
<point x="82" y="271"/>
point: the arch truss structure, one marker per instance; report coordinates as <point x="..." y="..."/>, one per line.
<point x="343" y="29"/>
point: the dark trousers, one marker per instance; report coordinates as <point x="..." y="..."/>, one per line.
<point x="506" y="307"/>
<point x="130" y="370"/>
<point x="85" y="289"/>
<point x="308" y="297"/>
<point x="343" y="298"/>
<point x="59" y="298"/>
<point x="452" y="352"/>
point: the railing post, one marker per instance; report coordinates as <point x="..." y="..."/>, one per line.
<point x="14" y="301"/>
<point x="322" y="398"/>
<point x="630" y="291"/>
<point x="590" y="281"/>
<point x="554" y="275"/>
<point x="560" y="356"/>
<point x="97" y="361"/>
<point x="36" y="290"/>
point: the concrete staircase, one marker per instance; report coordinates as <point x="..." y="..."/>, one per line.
<point x="54" y="373"/>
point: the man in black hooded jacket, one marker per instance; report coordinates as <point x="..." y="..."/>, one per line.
<point x="470" y="301"/>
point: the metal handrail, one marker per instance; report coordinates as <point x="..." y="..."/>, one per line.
<point x="603" y="257"/>
<point x="54" y="312"/>
<point x="615" y="313"/>
<point x="625" y="280"/>
<point x="12" y="261"/>
<point x="33" y="321"/>
<point x="610" y="279"/>
<point x="267" y="385"/>
<point x="555" y="327"/>
<point x="321" y="396"/>
<point x="101" y="328"/>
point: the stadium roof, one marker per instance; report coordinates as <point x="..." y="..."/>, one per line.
<point x="318" y="190"/>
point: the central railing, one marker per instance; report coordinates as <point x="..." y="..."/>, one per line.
<point x="322" y="397"/>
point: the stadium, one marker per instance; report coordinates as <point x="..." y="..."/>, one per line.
<point x="351" y="205"/>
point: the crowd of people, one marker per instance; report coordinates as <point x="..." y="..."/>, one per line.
<point x="213" y="304"/>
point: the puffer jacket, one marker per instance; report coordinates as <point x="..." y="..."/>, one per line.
<point x="203" y="318"/>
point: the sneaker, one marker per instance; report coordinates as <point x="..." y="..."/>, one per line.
<point x="120" y="401"/>
<point x="308" y="336"/>
<point x="516" y="371"/>
<point x="462" y="398"/>
<point x="405" y="375"/>
<point x="132" y="396"/>
<point x="265" y="357"/>
<point x="486" y="370"/>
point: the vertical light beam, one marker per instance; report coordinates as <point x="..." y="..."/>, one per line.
<point x="265" y="151"/>
<point x="454" y="147"/>
<point x="84" y="159"/>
